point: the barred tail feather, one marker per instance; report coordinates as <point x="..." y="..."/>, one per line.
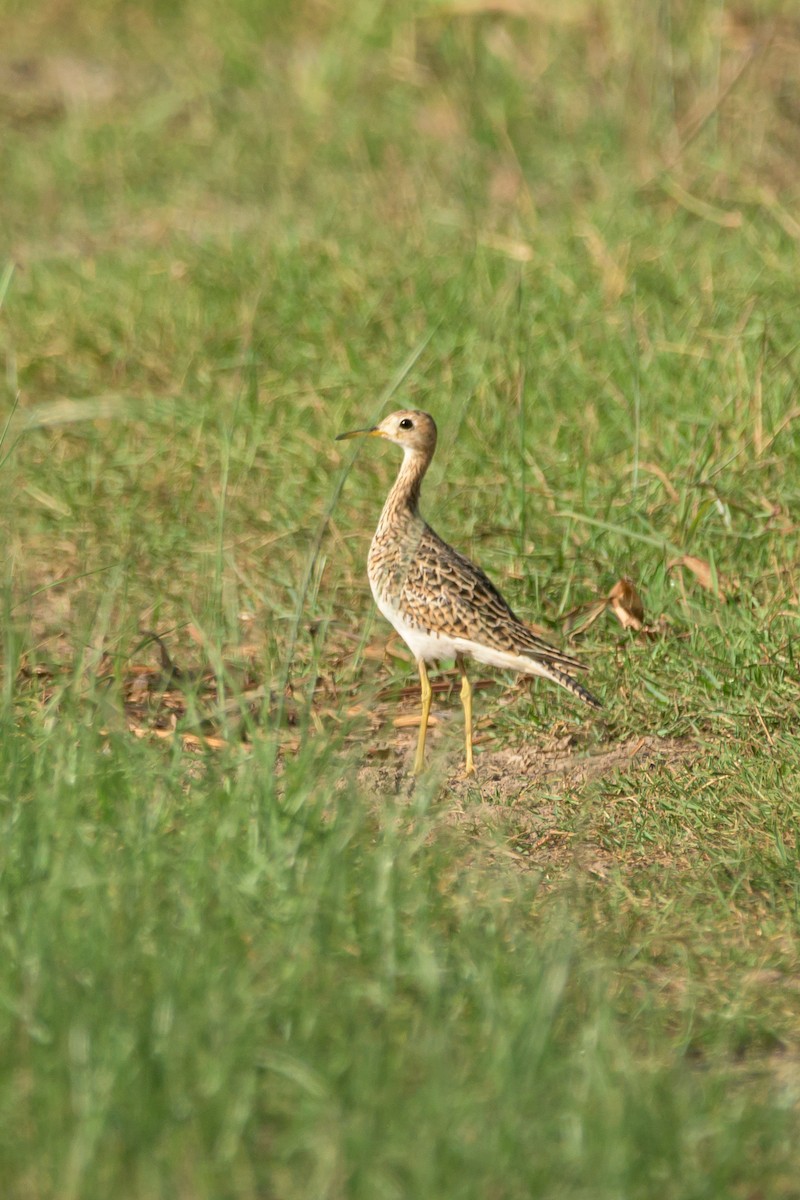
<point x="571" y="685"/>
<point x="526" y="662"/>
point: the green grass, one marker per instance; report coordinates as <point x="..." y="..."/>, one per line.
<point x="267" y="966"/>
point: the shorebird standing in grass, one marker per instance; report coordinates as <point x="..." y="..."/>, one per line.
<point x="441" y="604"/>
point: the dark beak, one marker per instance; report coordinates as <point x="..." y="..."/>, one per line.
<point x="373" y="431"/>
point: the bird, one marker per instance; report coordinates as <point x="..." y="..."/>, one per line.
<point x="440" y="602"/>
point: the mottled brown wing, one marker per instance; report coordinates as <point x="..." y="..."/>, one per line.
<point x="444" y="590"/>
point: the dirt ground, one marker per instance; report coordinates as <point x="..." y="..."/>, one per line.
<point x="516" y="792"/>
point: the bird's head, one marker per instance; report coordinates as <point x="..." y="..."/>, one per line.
<point x="410" y="428"/>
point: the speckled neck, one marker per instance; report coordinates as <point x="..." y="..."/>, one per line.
<point x="402" y="502"/>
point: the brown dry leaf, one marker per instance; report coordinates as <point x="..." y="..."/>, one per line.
<point x="397" y="649"/>
<point x="592" y="610"/>
<point x="200" y="743"/>
<point x="412" y="721"/>
<point x="141" y="731"/>
<point x="375" y="652"/>
<point x="626" y="605"/>
<point x="703" y="573"/>
<point x="378" y="651"/>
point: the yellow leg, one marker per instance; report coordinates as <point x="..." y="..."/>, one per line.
<point x="466" y="700"/>
<point x="419" y="761"/>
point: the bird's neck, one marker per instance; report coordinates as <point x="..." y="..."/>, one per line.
<point x="402" y="503"/>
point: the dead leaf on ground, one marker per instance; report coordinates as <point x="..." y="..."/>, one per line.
<point x="412" y="720"/>
<point x="624" y="602"/>
<point x="626" y="605"/>
<point x="574" y="624"/>
<point x="704" y="573"/>
<point x="378" y="651"/>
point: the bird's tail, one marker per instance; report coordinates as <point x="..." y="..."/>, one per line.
<point x="571" y="685"/>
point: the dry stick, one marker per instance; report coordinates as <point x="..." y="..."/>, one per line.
<point x="764" y="727"/>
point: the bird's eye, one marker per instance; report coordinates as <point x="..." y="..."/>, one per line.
<point x="406" y="423"/>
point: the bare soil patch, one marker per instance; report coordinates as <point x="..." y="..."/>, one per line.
<point x="512" y="773"/>
<point x="517" y="795"/>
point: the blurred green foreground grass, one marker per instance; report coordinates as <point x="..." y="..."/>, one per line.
<point x="262" y="968"/>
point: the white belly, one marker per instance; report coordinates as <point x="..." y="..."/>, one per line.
<point x="428" y="646"/>
<point x="433" y="646"/>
